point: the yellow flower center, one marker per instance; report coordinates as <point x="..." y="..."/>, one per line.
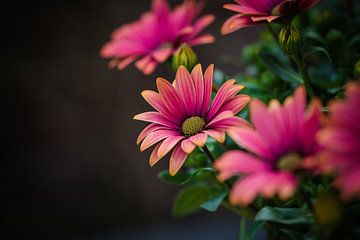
<point x="192" y="126"/>
<point x="289" y="162"/>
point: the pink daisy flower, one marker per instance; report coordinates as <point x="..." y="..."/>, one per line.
<point x="282" y="138"/>
<point x="184" y="116"/>
<point x="341" y="142"/>
<point x="156" y="35"/>
<point x="254" y="12"/>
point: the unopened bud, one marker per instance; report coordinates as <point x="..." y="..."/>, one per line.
<point x="184" y="56"/>
<point x="290" y="40"/>
<point x="328" y="209"/>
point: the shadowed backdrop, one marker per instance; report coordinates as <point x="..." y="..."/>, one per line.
<point x="70" y="165"/>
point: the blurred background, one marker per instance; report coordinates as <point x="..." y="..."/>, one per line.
<point x="70" y="165"/>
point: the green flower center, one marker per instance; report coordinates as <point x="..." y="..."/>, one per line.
<point x="289" y="162"/>
<point x="192" y="126"/>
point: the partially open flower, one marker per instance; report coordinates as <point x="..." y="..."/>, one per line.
<point x="184" y="116"/>
<point x="283" y="137"/>
<point x="254" y="12"/>
<point x="157" y="35"/>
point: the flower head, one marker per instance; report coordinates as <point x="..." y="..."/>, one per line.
<point x="185" y="115"/>
<point x="282" y="138"/>
<point x="341" y="142"/>
<point x="254" y="12"/>
<point x="156" y="35"/>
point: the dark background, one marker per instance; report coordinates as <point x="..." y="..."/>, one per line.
<point x="70" y="166"/>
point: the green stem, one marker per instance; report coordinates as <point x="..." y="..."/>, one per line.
<point x="244" y="212"/>
<point x="305" y="74"/>
<point x="208" y="154"/>
<point x="271" y="30"/>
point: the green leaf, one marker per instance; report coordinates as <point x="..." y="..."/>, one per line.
<point x="282" y="70"/>
<point x="197" y="173"/>
<point x="213" y="204"/>
<point x="288" y="216"/>
<point x="314" y="50"/>
<point x="313" y="35"/>
<point x="191" y="198"/>
<point x="178" y="179"/>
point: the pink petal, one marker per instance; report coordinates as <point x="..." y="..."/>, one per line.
<point x="177" y="159"/>
<point x="203" y="39"/>
<point x="236" y="103"/>
<point x="162" y="54"/>
<point x="311" y="126"/>
<point x="218" y="135"/>
<point x="148" y="129"/>
<point x="264" y="18"/>
<point x="155" y="117"/>
<point x="170" y="98"/>
<point x="220" y="117"/>
<point x="230" y="123"/>
<point x="155" y="137"/>
<point x="202" y="23"/>
<point x="264" y="183"/>
<point x="154" y="157"/>
<point x="349" y="183"/>
<point x="267" y="126"/>
<point x="188" y="146"/>
<point x="126" y="61"/>
<point x="186" y="90"/>
<point x="246" y="190"/>
<point x="236" y="161"/>
<point x="242" y="9"/>
<point x="208" y="82"/>
<point x="226" y="91"/>
<point x="198" y="79"/>
<point x="252" y="141"/>
<point x="168" y="144"/>
<point x="199" y="139"/>
<point x="154" y="99"/>
<point x="235" y="23"/>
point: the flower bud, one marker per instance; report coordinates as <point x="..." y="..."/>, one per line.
<point x="328" y="209"/>
<point x="357" y="70"/>
<point x="290" y="40"/>
<point x="184" y="56"/>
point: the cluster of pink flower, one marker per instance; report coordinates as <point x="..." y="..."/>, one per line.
<point x="280" y="141"/>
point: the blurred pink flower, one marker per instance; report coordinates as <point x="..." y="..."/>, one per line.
<point x="283" y="137"/>
<point x="184" y="116"/>
<point x="254" y="12"/>
<point x="341" y="141"/>
<point x="157" y="35"/>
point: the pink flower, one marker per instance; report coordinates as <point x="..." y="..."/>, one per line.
<point x="184" y="116"/>
<point x="283" y="137"/>
<point x="254" y="12"/>
<point x="157" y="35"/>
<point x="341" y="142"/>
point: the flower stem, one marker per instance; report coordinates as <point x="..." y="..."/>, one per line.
<point x="244" y="212"/>
<point x="271" y="30"/>
<point x="208" y="153"/>
<point x="305" y="74"/>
